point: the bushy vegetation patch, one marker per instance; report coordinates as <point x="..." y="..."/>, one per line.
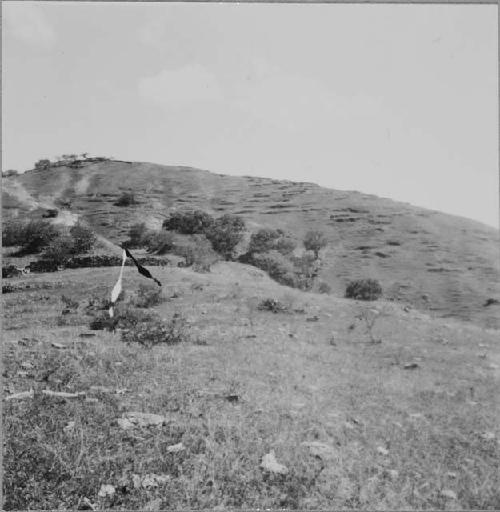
<point x="273" y="305"/>
<point x="189" y="223"/>
<point x="225" y="234"/>
<point x="197" y="252"/>
<point x="156" y="331"/>
<point x="277" y="266"/>
<point x="126" y="199"/>
<point x="147" y="296"/>
<point x="266" y="240"/>
<point x="32" y="236"/>
<point x="315" y="241"/>
<point x="364" y="289"/>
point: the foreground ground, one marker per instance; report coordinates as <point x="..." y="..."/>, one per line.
<point x="408" y="423"/>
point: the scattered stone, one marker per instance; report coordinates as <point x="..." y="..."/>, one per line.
<point x="269" y="463"/>
<point x="62" y="394"/>
<point x="20" y="396"/>
<point x="151" y="480"/>
<point x="393" y="474"/>
<point x="101" y="389"/>
<point x="452" y="474"/>
<point x="20" y="373"/>
<point x="86" y="504"/>
<point x="417" y="415"/>
<point x="314" y="318"/>
<point x="321" y="450"/>
<point x="406" y="309"/>
<point x="106" y="490"/>
<point x="58" y="345"/>
<point x="91" y="400"/>
<point x="69" y="427"/>
<point x="176" y="448"/>
<point x="410" y="366"/>
<point x="448" y="493"/>
<point x="140" y="420"/>
<point x="493" y="366"/>
<point x="481" y="356"/>
<point x="382" y="451"/>
<point x="153" y="505"/>
<point x="487" y="436"/>
<point x="28" y="342"/>
<point x="27" y="365"/>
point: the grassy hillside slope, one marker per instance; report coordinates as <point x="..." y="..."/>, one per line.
<point x="437" y="262"/>
<point x="247" y="382"/>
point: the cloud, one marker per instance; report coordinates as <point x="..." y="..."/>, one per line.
<point x="27" y="22"/>
<point x="180" y="87"/>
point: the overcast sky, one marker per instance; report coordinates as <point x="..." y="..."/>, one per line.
<point x="395" y="100"/>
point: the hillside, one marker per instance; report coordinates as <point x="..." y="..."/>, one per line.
<point x="439" y="263"/>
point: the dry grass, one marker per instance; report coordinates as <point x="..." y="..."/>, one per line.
<point x="400" y="437"/>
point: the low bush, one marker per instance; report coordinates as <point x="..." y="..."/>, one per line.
<point x="148" y="297"/>
<point x="136" y="236"/>
<point x="277" y="266"/>
<point x="266" y="240"/>
<point x="35" y="235"/>
<point x="12" y="232"/>
<point x="158" y="242"/>
<point x="315" y="241"/>
<point x="156" y="331"/>
<point x="225" y="234"/>
<point x="126" y="199"/>
<point x="83" y="238"/>
<point x="324" y="288"/>
<point x="189" y="223"/>
<point x="363" y="289"/>
<point x="273" y="305"/>
<point x="198" y="253"/>
<point x="59" y="250"/>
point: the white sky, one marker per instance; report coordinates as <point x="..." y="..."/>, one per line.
<point x="395" y="100"/>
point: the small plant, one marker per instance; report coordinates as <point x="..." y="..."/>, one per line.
<point x="363" y="289"/>
<point x="156" y="331"/>
<point x="277" y="266"/>
<point x="370" y="317"/>
<point x="126" y="199"/>
<point x="273" y="305"/>
<point x="148" y="297"/>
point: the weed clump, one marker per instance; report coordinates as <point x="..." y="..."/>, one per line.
<point x="189" y="223"/>
<point x="126" y="199"/>
<point x="148" y="297"/>
<point x="363" y="289"/>
<point x="273" y="305"/>
<point x="156" y="331"/>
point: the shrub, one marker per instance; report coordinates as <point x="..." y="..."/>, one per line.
<point x="59" y="250"/>
<point x="266" y="240"/>
<point x="9" y="172"/>
<point x="137" y="234"/>
<point x="189" y="223"/>
<point x="156" y="331"/>
<point x="363" y="289"/>
<point x="35" y="235"/>
<point x="315" y="241"/>
<point x="42" y="165"/>
<point x="126" y="199"/>
<point x="273" y="305"/>
<point x="198" y="253"/>
<point x="12" y="232"/>
<point x="277" y="266"/>
<point x="306" y="269"/>
<point x="148" y="297"/>
<point x="83" y="238"/>
<point x="158" y="242"/>
<point x="263" y="240"/>
<point x="225" y="234"/>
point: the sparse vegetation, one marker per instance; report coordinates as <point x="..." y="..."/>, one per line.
<point x="156" y="331"/>
<point x="273" y="305"/>
<point x="148" y="297"/>
<point x="364" y="289"/>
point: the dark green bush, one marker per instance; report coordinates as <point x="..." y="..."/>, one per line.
<point x="189" y="223"/>
<point x="225" y="234"/>
<point x="12" y="232"/>
<point x="156" y="331"/>
<point x="126" y="199"/>
<point x="197" y="252"/>
<point x="363" y="289"/>
<point x="83" y="238"/>
<point x="35" y="235"/>
<point x="277" y="266"/>
<point x="59" y="250"/>
<point x="158" y="242"/>
<point x="315" y="241"/>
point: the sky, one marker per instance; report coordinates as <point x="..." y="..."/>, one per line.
<point x="400" y="101"/>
